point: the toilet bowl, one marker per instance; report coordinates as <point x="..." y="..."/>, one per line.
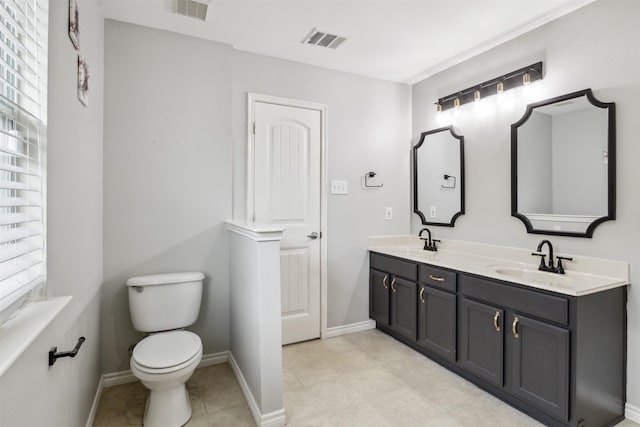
<point x="162" y="305"/>
<point x="163" y="362"/>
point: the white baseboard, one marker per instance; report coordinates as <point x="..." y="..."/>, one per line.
<point x="214" y="359"/>
<point x="272" y="419"/>
<point x="336" y="331"/>
<point x="632" y="413"/>
<point x="96" y="402"/>
<point x="117" y="378"/>
<point x="124" y="377"/>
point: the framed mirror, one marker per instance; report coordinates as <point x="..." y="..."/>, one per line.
<point x="563" y="165"/>
<point x="438" y="177"/>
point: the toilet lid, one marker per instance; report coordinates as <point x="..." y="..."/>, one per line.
<point x="167" y="349"/>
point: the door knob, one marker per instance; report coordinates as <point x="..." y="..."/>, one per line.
<point x="313" y="236"/>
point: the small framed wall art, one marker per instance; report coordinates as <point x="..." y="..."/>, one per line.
<point x="83" y="80"/>
<point x="74" y="23"/>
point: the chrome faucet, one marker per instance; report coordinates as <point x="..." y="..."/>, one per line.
<point x="429" y="243"/>
<point x="549" y="267"/>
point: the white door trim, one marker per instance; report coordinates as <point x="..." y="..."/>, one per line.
<point x="252" y="98"/>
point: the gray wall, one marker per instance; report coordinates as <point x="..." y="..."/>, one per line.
<point x="31" y="393"/>
<point x="438" y="155"/>
<point x="593" y="47"/>
<point x="579" y="174"/>
<point x="368" y="130"/>
<point x="172" y="134"/>
<point x="535" y="189"/>
<point x="167" y="175"/>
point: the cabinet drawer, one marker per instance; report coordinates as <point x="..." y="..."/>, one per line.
<point x="549" y="307"/>
<point x="394" y="266"/>
<point x="437" y="277"/>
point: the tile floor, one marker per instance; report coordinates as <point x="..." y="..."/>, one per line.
<point x="365" y="379"/>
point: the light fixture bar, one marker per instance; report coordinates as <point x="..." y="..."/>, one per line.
<point x="490" y="87"/>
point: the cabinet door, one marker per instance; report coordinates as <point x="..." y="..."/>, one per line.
<point x="437" y="322"/>
<point x="404" y="307"/>
<point x="540" y="365"/>
<point x="379" y="296"/>
<point x="482" y="340"/>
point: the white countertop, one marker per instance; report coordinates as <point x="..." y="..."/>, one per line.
<point x="584" y="275"/>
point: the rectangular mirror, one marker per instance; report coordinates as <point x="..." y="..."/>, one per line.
<point x="563" y="165"/>
<point x="438" y="177"/>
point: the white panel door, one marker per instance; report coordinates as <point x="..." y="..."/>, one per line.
<point x="287" y="193"/>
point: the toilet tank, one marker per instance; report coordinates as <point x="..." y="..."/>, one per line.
<point x="160" y="302"/>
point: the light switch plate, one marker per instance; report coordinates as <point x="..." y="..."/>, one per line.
<point x="339" y="187"/>
<point x="388" y="213"/>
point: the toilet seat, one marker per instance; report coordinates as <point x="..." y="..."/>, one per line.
<point x="166" y="352"/>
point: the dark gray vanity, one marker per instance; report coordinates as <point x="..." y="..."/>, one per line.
<point x="559" y="358"/>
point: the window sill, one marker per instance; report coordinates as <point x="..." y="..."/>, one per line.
<point x="18" y="333"/>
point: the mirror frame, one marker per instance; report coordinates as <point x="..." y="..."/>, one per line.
<point x="611" y="170"/>
<point x="417" y="211"/>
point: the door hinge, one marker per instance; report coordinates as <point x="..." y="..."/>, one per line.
<point x="254" y="128"/>
<point x="253" y="217"/>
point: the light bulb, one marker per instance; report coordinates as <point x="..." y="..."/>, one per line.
<point x="500" y="87"/>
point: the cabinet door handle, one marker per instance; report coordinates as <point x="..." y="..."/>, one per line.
<point x="393" y="282"/>
<point x="436" y="278"/>
<point x="495" y="321"/>
<point x="385" y="280"/>
<point x="514" y="327"/>
<point x="422" y="295"/>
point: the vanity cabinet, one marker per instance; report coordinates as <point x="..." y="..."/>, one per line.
<point x="559" y="358"/>
<point x="379" y="296"/>
<point x="540" y="364"/>
<point x="437" y="311"/>
<point x="482" y="340"/>
<point x="393" y="294"/>
<point x="532" y="354"/>
<point x="403" y="307"/>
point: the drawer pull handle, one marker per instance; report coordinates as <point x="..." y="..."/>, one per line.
<point x="495" y="321"/>
<point x="514" y="327"/>
<point x="385" y="280"/>
<point x="422" y="295"/>
<point x="436" y="278"/>
<point x="393" y="282"/>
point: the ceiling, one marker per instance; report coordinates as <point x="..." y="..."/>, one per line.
<point x="396" y="40"/>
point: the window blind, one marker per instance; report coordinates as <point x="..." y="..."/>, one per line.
<point x="23" y="100"/>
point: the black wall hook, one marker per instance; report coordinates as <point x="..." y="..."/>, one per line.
<point x="55" y="355"/>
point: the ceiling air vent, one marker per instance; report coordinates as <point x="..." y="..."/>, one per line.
<point x="324" y="39"/>
<point x="192" y="9"/>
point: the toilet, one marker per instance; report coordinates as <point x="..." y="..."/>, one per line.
<point x="161" y="305"/>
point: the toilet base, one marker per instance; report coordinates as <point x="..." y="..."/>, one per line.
<point x="169" y="407"/>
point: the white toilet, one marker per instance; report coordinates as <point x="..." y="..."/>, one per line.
<point x="162" y="304"/>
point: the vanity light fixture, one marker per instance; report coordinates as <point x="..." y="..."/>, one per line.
<point x="517" y="78"/>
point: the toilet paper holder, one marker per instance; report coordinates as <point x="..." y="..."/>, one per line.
<point x="54" y="354"/>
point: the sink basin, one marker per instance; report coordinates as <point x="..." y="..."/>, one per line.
<point x="543" y="277"/>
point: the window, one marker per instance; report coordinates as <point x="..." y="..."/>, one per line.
<point x="23" y="100"/>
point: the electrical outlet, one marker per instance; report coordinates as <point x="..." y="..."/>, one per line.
<point x="388" y="213"/>
<point x="339" y="187"/>
<point x="432" y="212"/>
